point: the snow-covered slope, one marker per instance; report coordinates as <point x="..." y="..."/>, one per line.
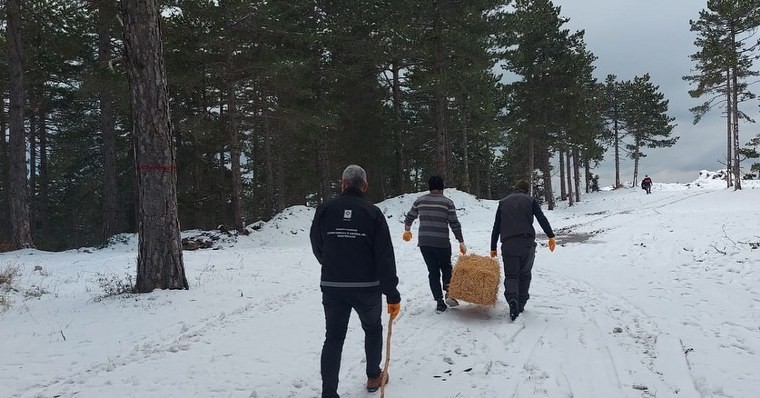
<point x="646" y="296"/>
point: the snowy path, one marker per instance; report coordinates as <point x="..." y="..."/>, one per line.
<point x="467" y="351"/>
<point x="693" y="273"/>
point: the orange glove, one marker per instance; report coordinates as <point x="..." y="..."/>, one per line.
<point x="462" y="248"/>
<point x="493" y="253"/>
<point x="552" y="244"/>
<point x="407" y="236"/>
<point x="394" y="309"/>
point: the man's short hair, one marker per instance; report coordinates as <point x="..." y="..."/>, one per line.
<point x="354" y="176"/>
<point x="522" y="185"/>
<point x="435" y="182"/>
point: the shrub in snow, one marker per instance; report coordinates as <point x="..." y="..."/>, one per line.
<point x="114" y="285"/>
<point x="7" y="275"/>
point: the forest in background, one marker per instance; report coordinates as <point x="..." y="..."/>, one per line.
<point x="269" y="101"/>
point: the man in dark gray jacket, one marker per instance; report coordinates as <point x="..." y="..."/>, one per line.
<point x="351" y="240"/>
<point x="514" y="223"/>
<point x="437" y="214"/>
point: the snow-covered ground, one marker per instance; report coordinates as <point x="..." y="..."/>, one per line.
<point x="646" y="296"/>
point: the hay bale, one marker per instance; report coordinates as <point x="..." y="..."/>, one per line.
<point x="475" y="279"/>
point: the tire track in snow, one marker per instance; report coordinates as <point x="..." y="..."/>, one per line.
<point x="589" y="224"/>
<point x="622" y="337"/>
<point x="550" y="350"/>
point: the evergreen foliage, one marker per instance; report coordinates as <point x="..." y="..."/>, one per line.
<point x="727" y="47"/>
<point x="647" y="120"/>
<point x="554" y="105"/>
<point x="269" y="101"/>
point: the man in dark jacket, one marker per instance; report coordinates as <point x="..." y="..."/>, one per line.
<point x="514" y="223"/>
<point x="646" y="184"/>
<point x="350" y="239"/>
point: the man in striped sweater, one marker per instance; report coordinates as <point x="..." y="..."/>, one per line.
<point x="437" y="214"/>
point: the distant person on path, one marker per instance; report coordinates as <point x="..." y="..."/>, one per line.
<point x="351" y="240"/>
<point x="514" y="223"/>
<point x="646" y="184"/>
<point x="437" y="214"/>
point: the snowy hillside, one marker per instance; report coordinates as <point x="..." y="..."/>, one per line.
<point x="646" y="296"/>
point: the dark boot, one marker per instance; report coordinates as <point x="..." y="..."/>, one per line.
<point x="514" y="309"/>
<point x="440" y="306"/>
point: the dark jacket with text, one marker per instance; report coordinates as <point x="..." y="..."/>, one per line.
<point x="351" y="240"/>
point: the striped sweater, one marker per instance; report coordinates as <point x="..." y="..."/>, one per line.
<point x="436" y="213"/>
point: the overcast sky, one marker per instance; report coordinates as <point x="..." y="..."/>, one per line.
<point x="634" y="37"/>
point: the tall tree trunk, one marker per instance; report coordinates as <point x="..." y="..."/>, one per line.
<point x="729" y="128"/>
<point x="547" y="172"/>
<point x="44" y="200"/>
<point x="577" y="174"/>
<point x="466" y="168"/>
<point x="465" y="146"/>
<point x="270" y="182"/>
<point x="33" y="117"/>
<point x="440" y="105"/>
<point x="401" y="176"/>
<point x="18" y="195"/>
<point x="637" y="145"/>
<point x="222" y="169"/>
<point x="159" y="259"/>
<point x="237" y="179"/>
<point x="735" y="119"/>
<point x="589" y="177"/>
<point x="488" y="160"/>
<point x="531" y="162"/>
<point x="222" y="185"/>
<point x="569" y="179"/>
<point x="233" y="127"/>
<point x="441" y="158"/>
<point x="478" y="170"/>
<point x="112" y="216"/>
<point x="280" y="177"/>
<point x="323" y="136"/>
<point x="323" y="159"/>
<point x="196" y="181"/>
<point x="617" y="153"/>
<point x="4" y="166"/>
<point x="562" y="187"/>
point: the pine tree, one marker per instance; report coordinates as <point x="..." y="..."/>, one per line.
<point x="159" y="261"/>
<point x="750" y="151"/>
<point x="724" y="64"/>
<point x="4" y="161"/>
<point x="647" y="120"/>
<point x="113" y="220"/>
<point x="614" y="95"/>
<point x="584" y="108"/>
<point x="541" y="51"/>
<point x="450" y="49"/>
<point x="21" y="234"/>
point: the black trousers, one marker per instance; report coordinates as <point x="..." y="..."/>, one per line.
<point x="438" y="261"/>
<point x="518" y="255"/>
<point x="338" y="306"/>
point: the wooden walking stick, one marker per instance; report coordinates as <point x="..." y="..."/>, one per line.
<point x="387" y="358"/>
